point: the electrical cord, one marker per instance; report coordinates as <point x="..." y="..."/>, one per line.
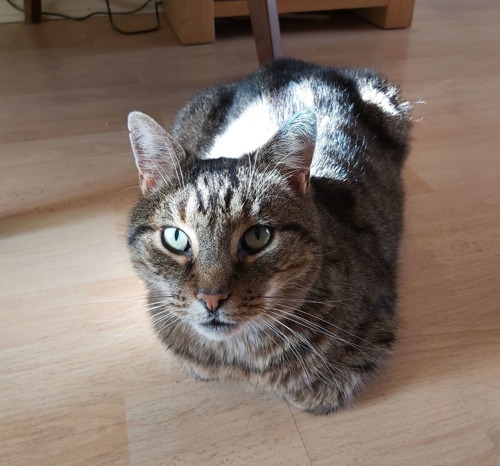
<point x="107" y="13"/>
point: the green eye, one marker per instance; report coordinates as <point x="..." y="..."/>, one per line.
<point x="256" y="238"/>
<point x="175" y="240"/>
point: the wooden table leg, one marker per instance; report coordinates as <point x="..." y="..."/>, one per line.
<point x="32" y="11"/>
<point x="266" y="29"/>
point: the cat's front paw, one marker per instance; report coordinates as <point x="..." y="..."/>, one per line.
<point x="310" y="406"/>
<point x="323" y="399"/>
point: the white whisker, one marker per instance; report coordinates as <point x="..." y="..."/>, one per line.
<point x="289" y="346"/>
<point x="328" y="366"/>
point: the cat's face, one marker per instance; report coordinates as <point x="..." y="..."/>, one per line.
<point x="222" y="243"/>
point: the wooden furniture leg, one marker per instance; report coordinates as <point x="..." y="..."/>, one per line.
<point x="32" y="11"/>
<point x="266" y="29"/>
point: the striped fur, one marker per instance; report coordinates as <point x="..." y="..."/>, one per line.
<point x="315" y="154"/>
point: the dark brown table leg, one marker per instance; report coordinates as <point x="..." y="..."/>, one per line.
<point x="266" y="29"/>
<point x="32" y="11"/>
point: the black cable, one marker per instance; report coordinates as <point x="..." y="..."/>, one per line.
<point x="142" y="31"/>
<point x="107" y="13"/>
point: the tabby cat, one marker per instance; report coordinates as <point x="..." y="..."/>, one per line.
<point x="268" y="228"/>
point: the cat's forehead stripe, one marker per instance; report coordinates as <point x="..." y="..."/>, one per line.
<point x="201" y="201"/>
<point x="227" y="198"/>
<point x="212" y="200"/>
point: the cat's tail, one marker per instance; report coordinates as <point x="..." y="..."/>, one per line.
<point x="385" y="107"/>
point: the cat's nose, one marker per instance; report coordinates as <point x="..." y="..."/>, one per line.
<point x="212" y="301"/>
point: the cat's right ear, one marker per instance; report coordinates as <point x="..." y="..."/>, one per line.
<point x="291" y="150"/>
<point x="157" y="155"/>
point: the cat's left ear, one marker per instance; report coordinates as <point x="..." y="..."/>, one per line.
<point x="291" y="150"/>
<point x="157" y="155"/>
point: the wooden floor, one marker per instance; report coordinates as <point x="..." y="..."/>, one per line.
<point x="83" y="381"/>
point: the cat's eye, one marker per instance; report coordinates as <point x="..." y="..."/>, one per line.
<point x="256" y="238"/>
<point x="175" y="240"/>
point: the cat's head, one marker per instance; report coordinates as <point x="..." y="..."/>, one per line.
<point x="223" y="243"/>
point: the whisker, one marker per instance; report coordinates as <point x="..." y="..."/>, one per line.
<point x="301" y="311"/>
<point x="168" y="321"/>
<point x="126" y="331"/>
<point x="308" y="301"/>
<point x="283" y="355"/>
<point x="144" y="306"/>
<point x="334" y="326"/>
<point x="288" y="345"/>
<point x="324" y="254"/>
<point x="127" y="189"/>
<point x="312" y="326"/>
<point x="315" y="351"/>
<point x="104" y="301"/>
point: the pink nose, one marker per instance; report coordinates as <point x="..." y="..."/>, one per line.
<point x="212" y="300"/>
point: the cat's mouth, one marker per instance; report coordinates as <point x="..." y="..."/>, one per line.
<point x="215" y="326"/>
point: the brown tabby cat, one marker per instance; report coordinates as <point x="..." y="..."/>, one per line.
<point x="268" y="229"/>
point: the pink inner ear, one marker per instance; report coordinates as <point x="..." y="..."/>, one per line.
<point x="300" y="178"/>
<point x="147" y="182"/>
<point x="154" y="149"/>
<point x="303" y="182"/>
<point x="292" y="148"/>
<point x="300" y="182"/>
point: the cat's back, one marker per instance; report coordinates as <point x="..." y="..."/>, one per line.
<point x="351" y="106"/>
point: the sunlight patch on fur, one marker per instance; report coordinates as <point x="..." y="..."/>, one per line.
<point x="379" y="98"/>
<point x="249" y="132"/>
